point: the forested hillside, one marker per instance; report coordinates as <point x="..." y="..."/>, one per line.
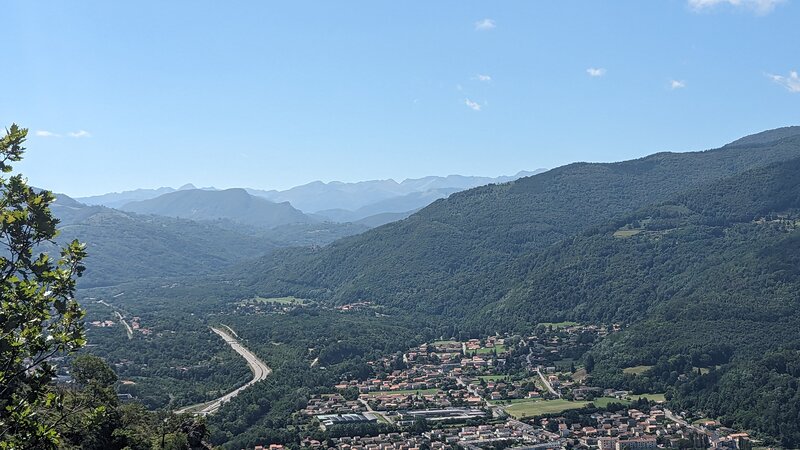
<point x="125" y="246"/>
<point x="458" y="254"/>
<point x="711" y="278"/>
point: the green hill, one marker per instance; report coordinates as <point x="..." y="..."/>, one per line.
<point x="465" y="252"/>
<point x="125" y="246"/>
<point x="709" y="279"/>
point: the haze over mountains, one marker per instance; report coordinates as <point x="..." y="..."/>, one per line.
<point x="458" y="255"/>
<point x="693" y="254"/>
<point x="126" y="246"/>
<point x="231" y="204"/>
<point x="376" y="202"/>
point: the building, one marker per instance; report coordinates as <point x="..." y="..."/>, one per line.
<point x="640" y="443"/>
<point x="329" y="420"/>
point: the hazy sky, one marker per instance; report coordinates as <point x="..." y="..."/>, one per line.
<point x="120" y="95"/>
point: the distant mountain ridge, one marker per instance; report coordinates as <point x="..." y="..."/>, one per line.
<point x="117" y="199"/>
<point x="125" y="246"/>
<point x="374" y="202"/>
<point x="318" y="196"/>
<point x="231" y="204"/>
<point x="456" y="254"/>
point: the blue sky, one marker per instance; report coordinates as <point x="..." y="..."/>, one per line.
<point x="120" y="95"/>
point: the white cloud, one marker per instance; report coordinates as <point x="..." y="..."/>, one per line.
<point x="475" y="106"/>
<point x="485" y="78"/>
<point x="79" y="134"/>
<point x="596" y="72"/>
<point x="485" y="25"/>
<point x="677" y="84"/>
<point x="45" y="133"/>
<point x="758" y="6"/>
<point x="791" y="83"/>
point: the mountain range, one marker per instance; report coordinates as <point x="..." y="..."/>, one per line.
<point x="459" y="254"/>
<point x="126" y="246"/>
<point x="373" y="202"/>
<point x="231" y="204"/>
<point x="694" y="255"/>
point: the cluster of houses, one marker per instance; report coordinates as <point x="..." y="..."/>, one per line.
<point x="459" y="389"/>
<point x="633" y="429"/>
<point x="136" y="325"/>
<point x="333" y="404"/>
<point x="384" y="441"/>
<point x="358" y="306"/>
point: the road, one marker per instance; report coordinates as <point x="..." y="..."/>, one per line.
<point x="122" y="321"/>
<point x="259" y="369"/>
<point x="547" y="383"/>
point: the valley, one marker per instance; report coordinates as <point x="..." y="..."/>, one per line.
<point x="400" y="225"/>
<point x="323" y="339"/>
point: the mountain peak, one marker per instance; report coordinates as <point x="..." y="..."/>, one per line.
<point x="768" y="136"/>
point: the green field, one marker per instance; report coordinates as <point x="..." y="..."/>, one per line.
<point x="622" y="233"/>
<point x="282" y="300"/>
<point x="531" y="408"/>
<point x="493" y="377"/>
<point x="602" y="402"/>
<point x="636" y="370"/>
<point x="407" y="392"/>
<point x="445" y="342"/>
<point x="483" y="351"/>
<point x="520" y="408"/>
<point x="651" y="397"/>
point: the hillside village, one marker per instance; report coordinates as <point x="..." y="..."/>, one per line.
<point x="500" y="392"/>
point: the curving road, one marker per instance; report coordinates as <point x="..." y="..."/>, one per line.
<point x="259" y="369"/>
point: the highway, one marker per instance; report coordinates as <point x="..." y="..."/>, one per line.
<point x="259" y="369"/>
<point x="122" y="321"/>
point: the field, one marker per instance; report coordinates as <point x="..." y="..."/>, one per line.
<point x="282" y="300"/>
<point x="530" y="408"/>
<point x="651" y="397"/>
<point x="636" y="370"/>
<point x="602" y="402"/>
<point x="483" y="351"/>
<point x="493" y="377"/>
<point x="626" y="233"/>
<point x="580" y="375"/>
<point x="445" y="342"/>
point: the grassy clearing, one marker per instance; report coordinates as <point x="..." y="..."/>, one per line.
<point x="602" y="402"/>
<point x="282" y="300"/>
<point x="651" y="397"/>
<point x="636" y="370"/>
<point x="484" y="351"/>
<point x="445" y="342"/>
<point x="532" y="408"/>
<point x="494" y="377"/>
<point x="703" y="370"/>
<point x="407" y="392"/>
<point x="623" y="233"/>
<point x="580" y="375"/>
